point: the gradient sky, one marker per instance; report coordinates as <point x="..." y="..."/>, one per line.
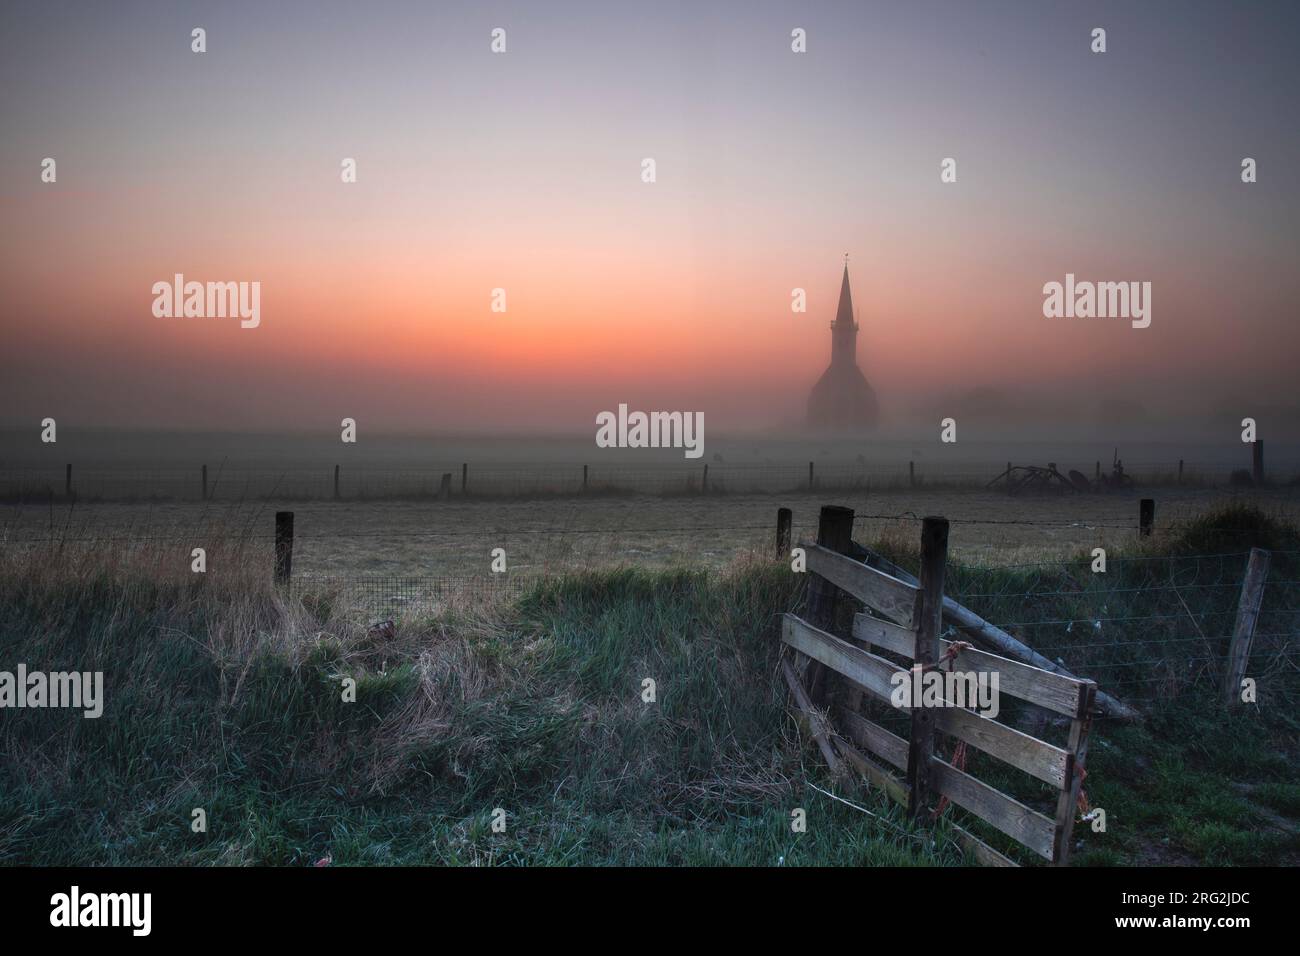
<point x="522" y="171"/>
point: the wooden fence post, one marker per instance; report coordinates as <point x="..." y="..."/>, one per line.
<point x="464" y="476"/>
<point x="928" y="619"/>
<point x="1257" y="462"/>
<point x="584" y="477"/>
<point x="1068" y="801"/>
<point x="811" y="482"/>
<point x="834" y="532"/>
<point x="706" y="478"/>
<point x="783" y="519"/>
<point x="1146" y="517"/>
<point x="1252" y="595"/>
<point x="283" y="546"/>
<point x="67" y="481"/>
<point x="205" y="482"/>
<point x="336" y="482"/>
<point x="1180" y="471"/>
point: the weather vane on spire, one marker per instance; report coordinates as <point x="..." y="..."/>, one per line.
<point x="846" y="258"/>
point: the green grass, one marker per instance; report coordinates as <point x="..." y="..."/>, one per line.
<point x="228" y="697"/>
<point x="232" y="702"/>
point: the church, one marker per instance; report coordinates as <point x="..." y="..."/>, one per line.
<point x="842" y="397"/>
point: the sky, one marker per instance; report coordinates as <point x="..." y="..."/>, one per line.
<point x="523" y="171"/>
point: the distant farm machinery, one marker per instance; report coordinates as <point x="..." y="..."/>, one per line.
<point x="1034" y="479"/>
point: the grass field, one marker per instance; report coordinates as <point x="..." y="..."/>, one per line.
<point x="224" y="695"/>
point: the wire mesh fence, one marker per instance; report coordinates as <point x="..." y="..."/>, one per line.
<point x="1275" y="652"/>
<point x="1145" y="627"/>
<point x="381" y="597"/>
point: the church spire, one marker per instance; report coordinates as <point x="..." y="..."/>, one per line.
<point x="844" y="314"/>
<point x="844" y="331"/>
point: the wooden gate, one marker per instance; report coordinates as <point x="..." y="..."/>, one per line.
<point x="906" y="620"/>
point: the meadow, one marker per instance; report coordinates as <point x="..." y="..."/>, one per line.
<point x="224" y="694"/>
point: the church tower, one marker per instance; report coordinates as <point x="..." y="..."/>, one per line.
<point x="842" y="397"/>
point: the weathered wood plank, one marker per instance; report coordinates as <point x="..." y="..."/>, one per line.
<point x="872" y="737"/>
<point x="880" y="633"/>
<point x="1035" y="757"/>
<point x="816" y="727"/>
<point x="879" y="776"/>
<point x="867" y="670"/>
<point x="893" y="598"/>
<point x="994" y="807"/>
<point x="977" y="848"/>
<point x="1056" y="692"/>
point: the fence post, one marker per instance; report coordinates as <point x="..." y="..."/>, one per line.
<point x="783" y="518"/>
<point x="706" y="478"/>
<point x="911" y="473"/>
<point x="283" y="546"/>
<point x="205" y="482"/>
<point x="1180" y="471"/>
<point x="336" y="482"/>
<point x="1146" y="517"/>
<point x="464" y="476"/>
<point x="1257" y="462"/>
<point x="1068" y="801"/>
<point x="928" y="620"/>
<point x="835" y="533"/>
<point x="584" y="477"/>
<point x="67" y="481"/>
<point x="1252" y="595"/>
<point x="811" y="484"/>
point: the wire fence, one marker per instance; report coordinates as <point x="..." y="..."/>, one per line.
<point x="1145" y="627"/>
<point x="465" y="479"/>
<point x="388" y="597"/>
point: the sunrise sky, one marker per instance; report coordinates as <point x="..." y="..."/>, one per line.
<point x="522" y="171"/>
